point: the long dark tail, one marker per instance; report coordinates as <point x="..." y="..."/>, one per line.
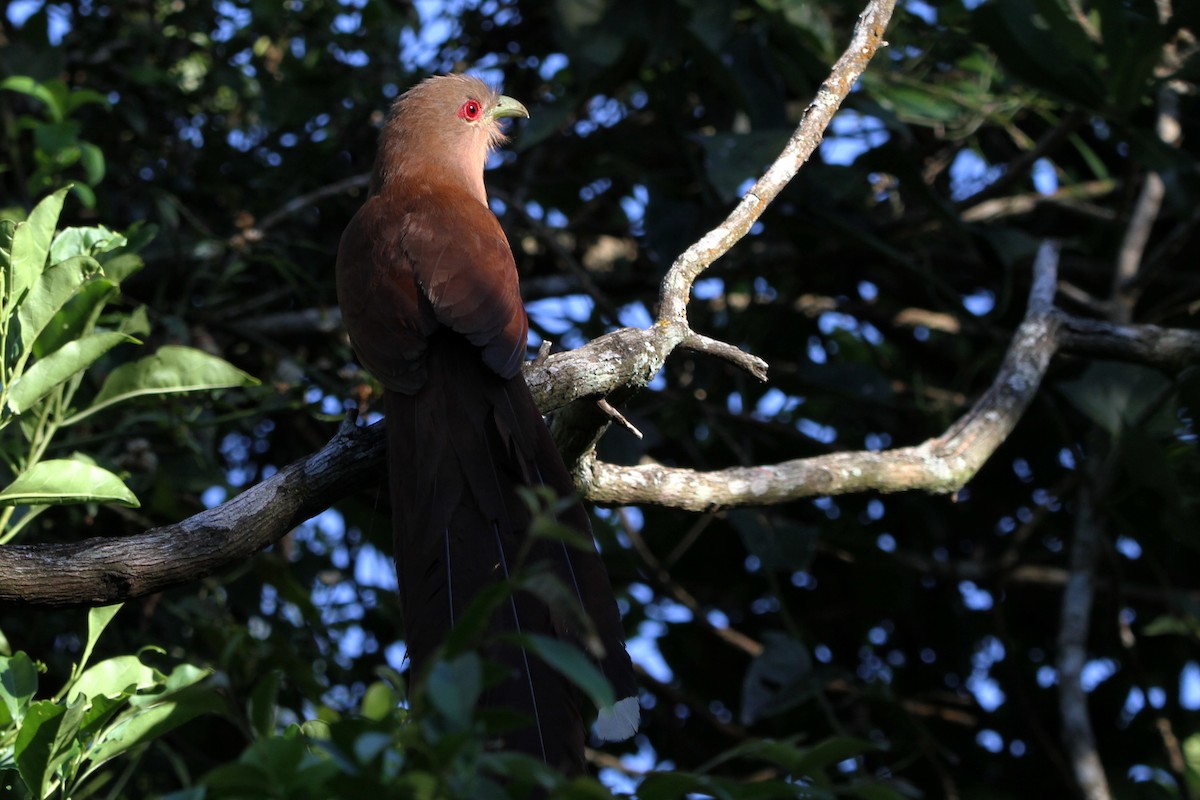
<point x="457" y="452"/>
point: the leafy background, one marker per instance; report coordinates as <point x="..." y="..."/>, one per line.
<point x="899" y="644"/>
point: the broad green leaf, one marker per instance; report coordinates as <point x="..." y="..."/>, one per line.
<point x="34" y="746"/>
<point x="779" y="543"/>
<point x="56" y="368"/>
<point x="781" y="752"/>
<point x="100" y="709"/>
<point x="78" y="317"/>
<point x="830" y="752"/>
<point x="261" y="707"/>
<point x="172" y="369"/>
<point x="570" y="662"/>
<point x="18" y="683"/>
<point x="65" y="480"/>
<point x="68" y="731"/>
<point x="116" y="676"/>
<point x="183" y="676"/>
<point x="49" y="293"/>
<point x="1114" y="395"/>
<point x="454" y="686"/>
<point x="732" y="158"/>
<point x="27" y="85"/>
<point x="78" y="97"/>
<point x="31" y="245"/>
<point x="471" y="626"/>
<point x="7" y="228"/>
<point x="85" y="193"/>
<point x="151" y="722"/>
<point x="71" y="242"/>
<point x="779" y="679"/>
<point x="98" y="619"/>
<point x="378" y="701"/>
<point x="92" y="158"/>
<point x="121" y="266"/>
<point x="60" y="140"/>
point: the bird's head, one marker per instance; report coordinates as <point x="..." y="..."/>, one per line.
<point x="448" y="123"/>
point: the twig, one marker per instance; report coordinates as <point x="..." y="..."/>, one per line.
<point x="1020" y="166"/>
<point x="256" y="232"/>
<point x="736" y="356"/>
<point x="1077" y="736"/>
<point x="608" y="408"/>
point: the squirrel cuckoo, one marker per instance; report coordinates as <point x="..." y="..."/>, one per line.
<point x="428" y="290"/>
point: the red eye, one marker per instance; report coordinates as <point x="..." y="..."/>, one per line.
<point x="470" y="110"/>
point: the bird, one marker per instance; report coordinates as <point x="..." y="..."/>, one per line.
<point x="430" y="297"/>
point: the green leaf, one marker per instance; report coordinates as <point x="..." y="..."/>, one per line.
<point x="60" y="140"/>
<point x="114" y="677"/>
<point x="570" y="662"/>
<point x="1114" y="395"/>
<point x="151" y="722"/>
<point x="31" y="245"/>
<point x="779" y="679"/>
<point x="50" y="291"/>
<point x="27" y="85"/>
<point x="92" y="158"/>
<point x="65" y="480"/>
<point x="56" y="368"/>
<point x="18" y="684"/>
<point x="830" y="752"/>
<point x="78" y="317"/>
<point x="472" y="625"/>
<point x="34" y="746"/>
<point x="85" y="194"/>
<point x="91" y="241"/>
<point x="261" y="707"/>
<point x="78" y="97"/>
<point x="98" y="619"/>
<point x="780" y="544"/>
<point x="172" y="369"/>
<point x="378" y="701"/>
<point x="453" y="687"/>
<point x="121" y="266"/>
<point x="732" y="158"/>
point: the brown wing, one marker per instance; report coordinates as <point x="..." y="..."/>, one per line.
<point x="401" y="275"/>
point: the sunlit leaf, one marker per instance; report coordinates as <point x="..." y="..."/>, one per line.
<point x="71" y="242"/>
<point x="171" y="370"/>
<point x="18" y="683"/>
<point x="31" y="245"/>
<point x="98" y="619"/>
<point x="49" y="293"/>
<point x="34" y="745"/>
<point x="66" y="480"/>
<point x="68" y="360"/>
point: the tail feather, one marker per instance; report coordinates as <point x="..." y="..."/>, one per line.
<point x="458" y="450"/>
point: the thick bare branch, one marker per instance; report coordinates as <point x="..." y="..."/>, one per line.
<point x="104" y="570"/>
<point x="941" y="465"/>
<point x="1168" y="348"/>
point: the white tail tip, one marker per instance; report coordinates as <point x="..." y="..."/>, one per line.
<point x="619" y="721"/>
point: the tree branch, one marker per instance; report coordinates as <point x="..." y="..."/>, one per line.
<point x="941" y="465"/>
<point x="103" y="570"/>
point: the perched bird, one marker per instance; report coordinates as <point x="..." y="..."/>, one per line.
<point x="428" y="290"/>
